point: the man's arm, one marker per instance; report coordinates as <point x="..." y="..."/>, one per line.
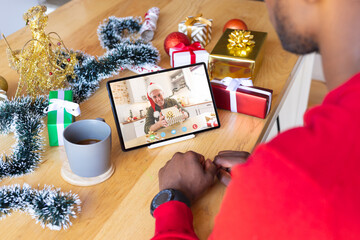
<point x="268" y="198"/>
<point x="150" y="120"/>
<point x="174" y="218"/>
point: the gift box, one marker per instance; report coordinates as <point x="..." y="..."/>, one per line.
<point x="237" y="54"/>
<point x="250" y="100"/>
<point x="198" y="29"/>
<point x="181" y="55"/>
<point x="172" y="115"/>
<point x="211" y="121"/>
<point x="61" y="113"/>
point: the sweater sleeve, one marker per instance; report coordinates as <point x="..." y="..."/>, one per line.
<point x="174" y="220"/>
<point x="150" y="120"/>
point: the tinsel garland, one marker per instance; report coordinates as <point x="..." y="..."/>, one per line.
<point x="49" y="206"/>
<point x="90" y="71"/>
<point x="115" y="30"/>
<point x="23" y="116"/>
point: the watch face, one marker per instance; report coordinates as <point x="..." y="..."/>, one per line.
<point x="162" y="197"/>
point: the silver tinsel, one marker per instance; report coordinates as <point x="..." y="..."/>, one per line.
<point x="48" y="206"/>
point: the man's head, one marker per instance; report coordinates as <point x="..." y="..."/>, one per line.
<point x="296" y="23"/>
<point x="156" y="95"/>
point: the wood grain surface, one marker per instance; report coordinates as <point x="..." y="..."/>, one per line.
<point x="119" y="207"/>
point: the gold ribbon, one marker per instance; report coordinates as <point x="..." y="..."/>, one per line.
<point x="190" y="21"/>
<point x="240" y="43"/>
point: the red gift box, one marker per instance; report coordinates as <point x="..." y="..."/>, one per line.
<point x="181" y="55"/>
<point x="253" y="101"/>
<point x="212" y="123"/>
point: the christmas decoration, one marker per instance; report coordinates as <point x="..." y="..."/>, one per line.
<point x="44" y="63"/>
<point x="117" y="35"/>
<point x="240" y="43"/>
<point x="3" y="84"/>
<point x="61" y="113"/>
<point x="211" y="121"/>
<point x="2" y="95"/>
<point x="90" y="71"/>
<point x="149" y="25"/>
<point x="198" y="29"/>
<point x="235" y="24"/>
<point x="237" y="54"/>
<point x="49" y="206"/>
<point x="238" y="95"/>
<point x="3" y="88"/>
<point x="172" y="115"/>
<point x="181" y="55"/>
<point x="115" y="30"/>
<point x="145" y="68"/>
<point x="122" y="38"/>
<point x="174" y="39"/>
<point x="23" y="116"/>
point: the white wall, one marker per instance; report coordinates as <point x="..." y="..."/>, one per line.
<point x="318" y="73"/>
<point x="11" y="12"/>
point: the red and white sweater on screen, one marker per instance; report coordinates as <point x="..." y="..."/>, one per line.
<point x="304" y="184"/>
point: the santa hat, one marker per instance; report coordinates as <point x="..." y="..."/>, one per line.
<point x="152" y="87"/>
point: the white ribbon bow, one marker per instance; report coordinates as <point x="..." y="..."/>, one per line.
<point x="60" y="104"/>
<point x="232" y="85"/>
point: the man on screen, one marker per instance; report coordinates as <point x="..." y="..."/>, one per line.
<point x="154" y="119"/>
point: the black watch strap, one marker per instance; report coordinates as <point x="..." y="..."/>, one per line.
<point x="167" y="195"/>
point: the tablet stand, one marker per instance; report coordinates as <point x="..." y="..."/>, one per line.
<point x="155" y="145"/>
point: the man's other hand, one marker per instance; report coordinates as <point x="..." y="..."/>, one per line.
<point x="189" y="173"/>
<point x="226" y="160"/>
<point x="162" y="122"/>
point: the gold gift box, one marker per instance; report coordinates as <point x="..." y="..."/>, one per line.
<point x="222" y="63"/>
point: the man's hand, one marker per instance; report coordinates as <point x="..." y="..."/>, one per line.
<point x="189" y="173"/>
<point x="162" y="122"/>
<point x="226" y="160"/>
<point x="185" y="115"/>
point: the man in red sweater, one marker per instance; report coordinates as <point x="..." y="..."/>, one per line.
<point x="305" y="183"/>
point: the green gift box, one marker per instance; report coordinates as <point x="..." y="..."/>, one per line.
<point x="58" y="116"/>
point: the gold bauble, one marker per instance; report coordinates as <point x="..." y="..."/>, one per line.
<point x="3" y="84"/>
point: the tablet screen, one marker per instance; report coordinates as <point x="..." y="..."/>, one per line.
<point x="162" y="105"/>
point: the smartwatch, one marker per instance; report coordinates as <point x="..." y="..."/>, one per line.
<point x="167" y="195"/>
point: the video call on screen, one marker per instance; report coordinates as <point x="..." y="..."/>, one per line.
<point x="181" y="102"/>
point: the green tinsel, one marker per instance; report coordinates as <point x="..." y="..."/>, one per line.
<point x="51" y="207"/>
<point x="23" y="116"/>
<point x="114" y="30"/>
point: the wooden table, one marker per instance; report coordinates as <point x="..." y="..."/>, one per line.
<point x="119" y="207"/>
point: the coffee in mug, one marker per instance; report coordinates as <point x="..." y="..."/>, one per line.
<point x="88" y="141"/>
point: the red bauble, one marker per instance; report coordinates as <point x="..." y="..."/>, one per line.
<point x="235" y="24"/>
<point x="174" y="39"/>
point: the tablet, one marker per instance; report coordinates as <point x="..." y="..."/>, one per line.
<point x="161" y="106"/>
